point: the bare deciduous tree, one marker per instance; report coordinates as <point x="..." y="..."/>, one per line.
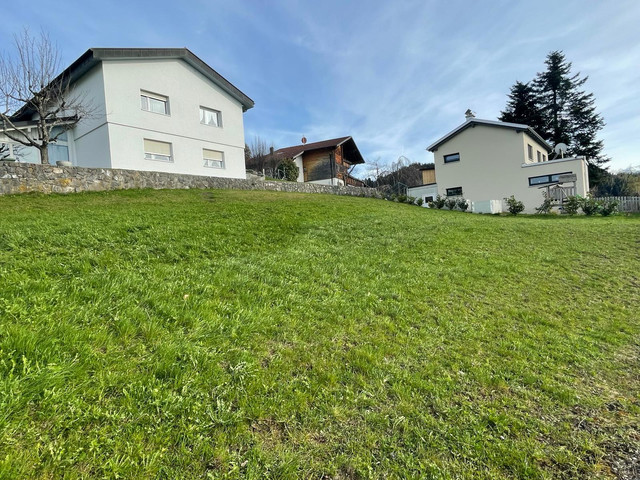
<point x="261" y="156"/>
<point x="28" y="83"/>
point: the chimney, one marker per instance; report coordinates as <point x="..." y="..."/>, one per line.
<point x="469" y="114"/>
<point x="271" y="150"/>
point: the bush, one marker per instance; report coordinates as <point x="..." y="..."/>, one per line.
<point x="463" y="204"/>
<point x="590" y="206"/>
<point x="288" y="170"/>
<point x="419" y="201"/>
<point x="401" y="198"/>
<point x="438" y="202"/>
<point x="514" y="206"/>
<point x="410" y="200"/>
<point x="609" y="207"/>
<point x="572" y="204"/>
<point x="451" y="203"/>
<point x="547" y="205"/>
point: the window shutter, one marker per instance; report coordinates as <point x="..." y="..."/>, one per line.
<point x="159" y="148"/>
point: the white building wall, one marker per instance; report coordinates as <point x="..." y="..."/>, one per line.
<point x="424" y="192"/>
<point x="298" y="162"/>
<point x="494" y="165"/>
<point x="187" y="90"/>
<point x="89" y="140"/>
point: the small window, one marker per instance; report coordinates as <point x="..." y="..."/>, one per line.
<point x="428" y="199"/>
<point x="544" y="157"/>
<point x="150" y="102"/>
<point x="159" y="151"/>
<point x="453" y="157"/>
<point x="539" y="156"/>
<point x="454" y="192"/>
<point x="213" y="158"/>
<point x="211" y="117"/>
<point x="530" y="151"/>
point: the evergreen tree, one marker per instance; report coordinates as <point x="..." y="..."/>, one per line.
<point x="522" y="107"/>
<point x="557" y="107"/>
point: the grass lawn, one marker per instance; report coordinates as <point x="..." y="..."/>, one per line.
<point x="229" y="334"/>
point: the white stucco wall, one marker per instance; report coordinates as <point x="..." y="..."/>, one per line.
<point x="128" y="125"/>
<point x="298" y="162"/>
<point x="494" y="165"/>
<point x="89" y="140"/>
<point x="423" y="191"/>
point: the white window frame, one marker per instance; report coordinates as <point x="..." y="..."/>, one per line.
<point x="145" y="102"/>
<point x="213" y="163"/>
<point x="157" y="157"/>
<point x="218" y="114"/>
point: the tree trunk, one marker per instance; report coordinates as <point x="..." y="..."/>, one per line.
<point x="44" y="155"/>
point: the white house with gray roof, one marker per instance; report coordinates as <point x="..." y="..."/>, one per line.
<point x="154" y="109"/>
<point x="486" y="161"/>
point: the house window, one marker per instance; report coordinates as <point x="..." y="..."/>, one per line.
<point x="428" y="199"/>
<point x="539" y="156"/>
<point x="454" y="192"/>
<point x="213" y="158"/>
<point x="159" y="151"/>
<point x="544" y="179"/>
<point x="151" y="102"/>
<point x="544" y="157"/>
<point x="530" y="152"/>
<point x="211" y="117"/>
<point x="453" y="157"/>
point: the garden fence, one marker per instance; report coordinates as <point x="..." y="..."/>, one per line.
<point x="625" y="204"/>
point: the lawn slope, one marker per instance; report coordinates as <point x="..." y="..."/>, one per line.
<point x="228" y="334"/>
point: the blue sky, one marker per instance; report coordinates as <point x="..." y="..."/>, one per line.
<point x="394" y="75"/>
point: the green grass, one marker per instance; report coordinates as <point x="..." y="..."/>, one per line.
<point x="228" y="334"/>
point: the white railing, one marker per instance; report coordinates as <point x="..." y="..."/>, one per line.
<point x="625" y="204"/>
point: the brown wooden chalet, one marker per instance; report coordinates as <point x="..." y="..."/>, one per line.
<point x="322" y="162"/>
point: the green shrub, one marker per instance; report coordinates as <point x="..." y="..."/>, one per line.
<point x="451" y="203"/>
<point x="439" y="202"/>
<point x="572" y="204"/>
<point x="609" y="207"/>
<point x="514" y="206"/>
<point x="463" y="204"/>
<point x="401" y="198"/>
<point x="419" y="201"/>
<point x="288" y="170"/>
<point x="410" y="200"/>
<point x="546" y="206"/>
<point x="590" y="206"/>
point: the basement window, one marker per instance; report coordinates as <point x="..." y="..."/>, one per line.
<point x="454" y="192"/>
<point x="158" y="151"/>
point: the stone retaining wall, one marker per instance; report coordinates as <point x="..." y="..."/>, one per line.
<point x="29" y="177"/>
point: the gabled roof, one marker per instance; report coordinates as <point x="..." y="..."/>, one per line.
<point x="472" y="122"/>
<point x="348" y="142"/>
<point x="93" y="56"/>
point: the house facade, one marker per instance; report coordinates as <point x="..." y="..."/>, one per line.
<point x="428" y="189"/>
<point x="155" y="110"/>
<point x="328" y="162"/>
<point x="487" y="161"/>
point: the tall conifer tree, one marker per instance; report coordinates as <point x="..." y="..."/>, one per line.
<point x="557" y="107"/>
